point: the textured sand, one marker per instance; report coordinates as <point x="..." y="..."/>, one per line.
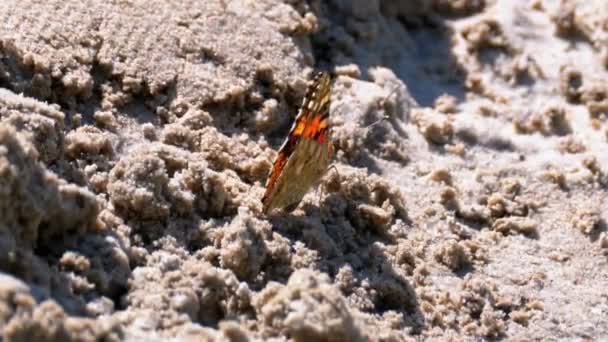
<point x="136" y="137"/>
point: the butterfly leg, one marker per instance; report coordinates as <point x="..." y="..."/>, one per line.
<point x="385" y="116"/>
<point x="320" y="192"/>
<point x="332" y="166"/>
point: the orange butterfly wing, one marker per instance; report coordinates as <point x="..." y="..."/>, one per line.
<point x="312" y="122"/>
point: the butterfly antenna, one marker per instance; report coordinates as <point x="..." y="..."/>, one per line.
<point x="376" y="122"/>
<point x="385" y="116"/>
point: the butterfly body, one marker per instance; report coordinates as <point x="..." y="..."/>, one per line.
<point x="306" y="153"/>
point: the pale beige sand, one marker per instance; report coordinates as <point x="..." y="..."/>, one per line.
<point x="136" y="136"/>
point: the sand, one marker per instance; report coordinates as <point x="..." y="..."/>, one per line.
<point x="136" y="138"/>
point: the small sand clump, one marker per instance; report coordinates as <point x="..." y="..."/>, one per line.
<point x="452" y="255"/>
<point x="243" y="248"/>
<point x="565" y="20"/>
<point x="441" y="175"/>
<point x="185" y="285"/>
<point x="48" y="322"/>
<point x="570" y="144"/>
<point x="446" y="104"/>
<point x="595" y="97"/>
<point x="161" y="180"/>
<point x="458" y="7"/>
<point x="552" y="120"/>
<point x="515" y="225"/>
<point x="435" y="127"/>
<point x="586" y="220"/>
<point x="604" y="242"/>
<point x="88" y="142"/>
<point x="571" y="81"/>
<point x="307" y="307"/>
<point x="40" y="123"/>
<point x="485" y="33"/>
<point x="36" y="205"/>
<point x="368" y="201"/>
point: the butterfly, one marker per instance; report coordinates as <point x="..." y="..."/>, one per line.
<point x="306" y="153"/>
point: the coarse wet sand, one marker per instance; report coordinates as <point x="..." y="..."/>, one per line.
<point x="136" y="138"/>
